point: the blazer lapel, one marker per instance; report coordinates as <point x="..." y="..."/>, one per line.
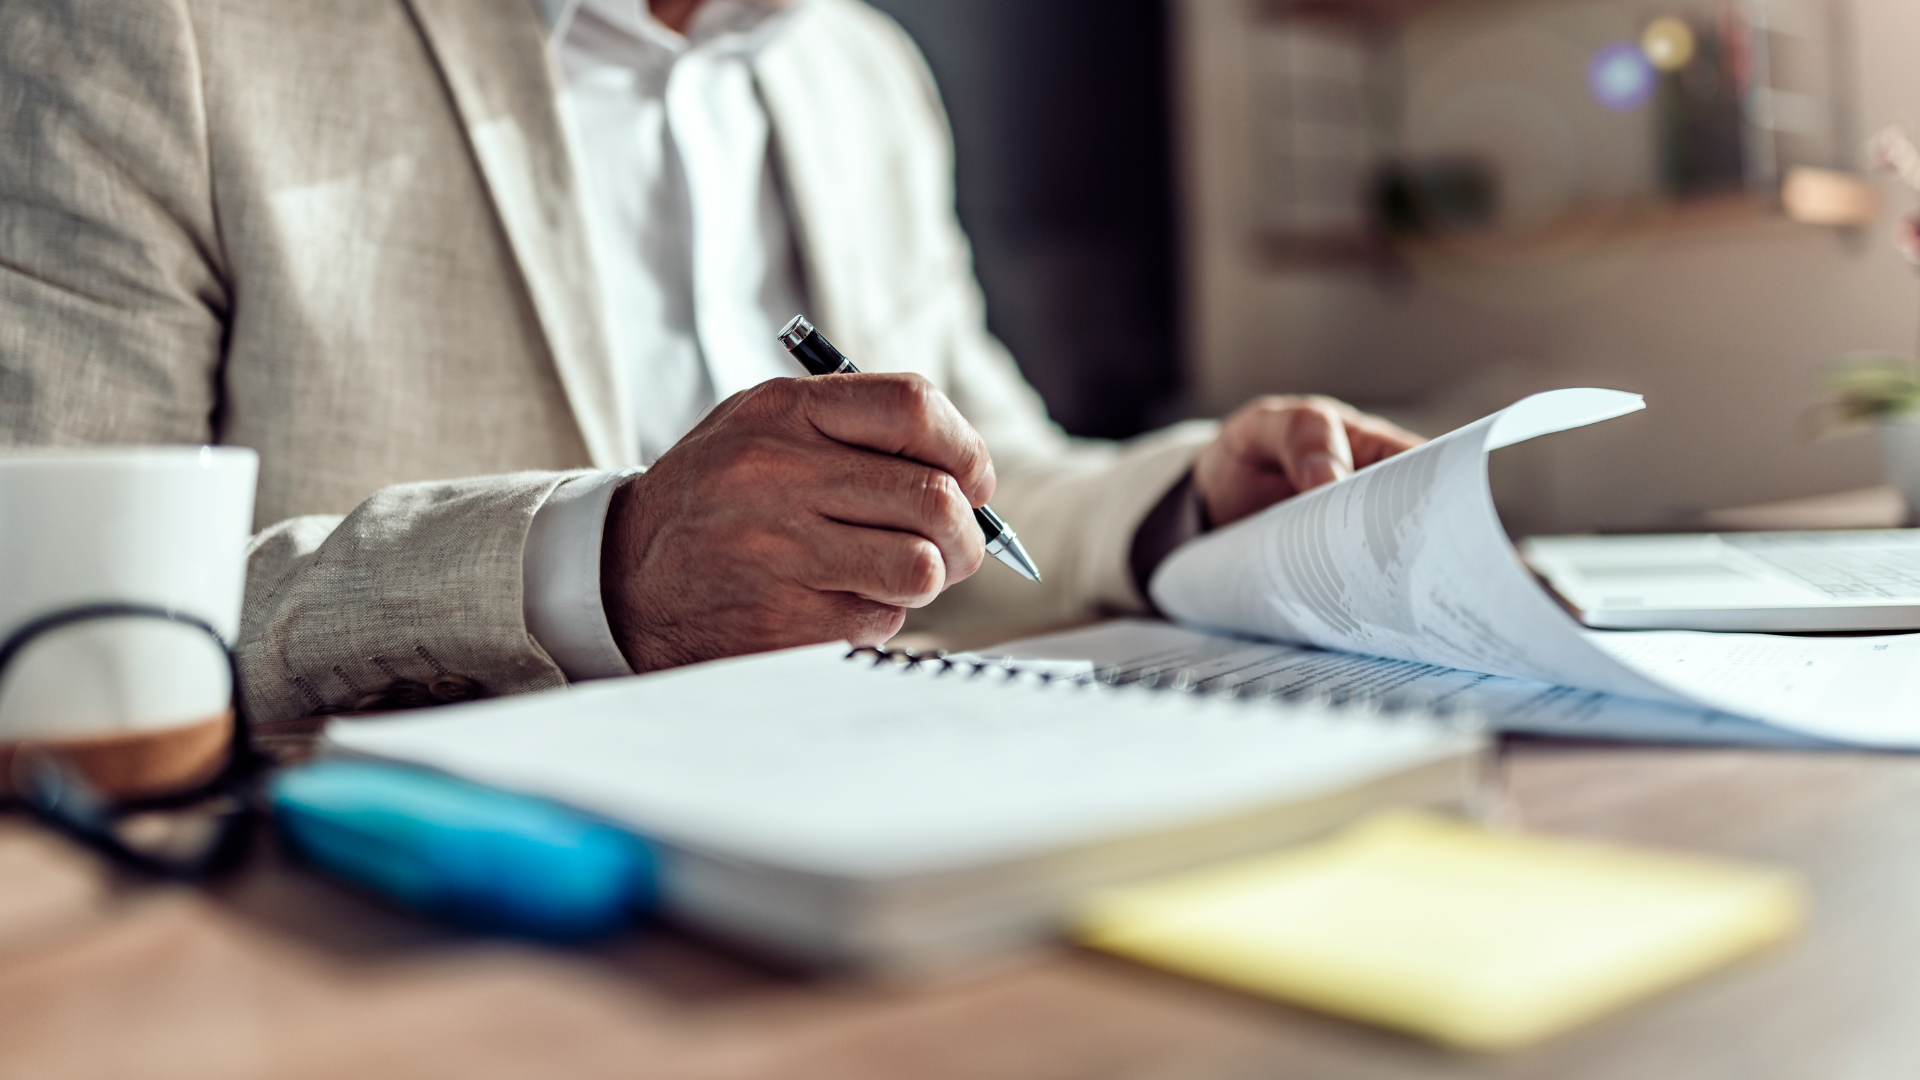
<point x="492" y="54"/>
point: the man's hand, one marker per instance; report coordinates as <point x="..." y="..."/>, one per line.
<point x="1277" y="447"/>
<point x="800" y="511"/>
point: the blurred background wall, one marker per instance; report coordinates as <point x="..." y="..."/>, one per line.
<point x="1718" y="307"/>
<point x="1433" y="207"/>
<point x="1062" y="118"/>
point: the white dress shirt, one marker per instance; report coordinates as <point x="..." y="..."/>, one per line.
<point x="694" y="254"/>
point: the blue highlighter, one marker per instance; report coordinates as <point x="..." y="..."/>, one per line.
<point x="483" y="858"/>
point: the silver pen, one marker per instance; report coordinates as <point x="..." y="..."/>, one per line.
<point x="819" y="357"/>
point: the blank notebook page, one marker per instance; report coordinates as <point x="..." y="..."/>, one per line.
<point x="809" y="760"/>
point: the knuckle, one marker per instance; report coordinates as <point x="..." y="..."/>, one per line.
<point x="779" y="391"/>
<point x="975" y="467"/>
<point x="1325" y="410"/>
<point x="1308" y="416"/>
<point x="973" y="555"/>
<point x="920" y="572"/>
<point x="868" y="623"/>
<point x="939" y="497"/>
<point x="725" y="411"/>
<point x="1292" y="410"/>
<point x="774" y="399"/>
<point x="918" y="400"/>
<point x="755" y="399"/>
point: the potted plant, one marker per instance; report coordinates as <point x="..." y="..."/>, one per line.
<point x="1880" y="390"/>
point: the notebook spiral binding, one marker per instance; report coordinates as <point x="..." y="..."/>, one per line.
<point x="1460" y="715"/>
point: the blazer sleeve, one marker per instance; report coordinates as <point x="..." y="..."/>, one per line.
<point x="1075" y="503"/>
<point x="114" y="304"/>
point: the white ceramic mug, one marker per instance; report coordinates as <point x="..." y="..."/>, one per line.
<point x="164" y="527"/>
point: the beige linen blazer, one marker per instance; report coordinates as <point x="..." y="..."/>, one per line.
<point x="345" y="233"/>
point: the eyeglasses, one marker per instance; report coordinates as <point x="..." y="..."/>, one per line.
<point x="191" y="832"/>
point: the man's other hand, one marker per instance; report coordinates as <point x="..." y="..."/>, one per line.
<point x="1277" y="447"/>
<point x="800" y="511"/>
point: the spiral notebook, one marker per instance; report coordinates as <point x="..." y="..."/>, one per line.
<point x="891" y="812"/>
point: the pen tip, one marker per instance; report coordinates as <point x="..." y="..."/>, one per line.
<point x="1018" y="560"/>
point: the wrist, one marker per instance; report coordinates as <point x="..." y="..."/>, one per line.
<point x="646" y="643"/>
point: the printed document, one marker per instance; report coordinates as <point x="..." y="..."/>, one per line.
<point x="1406" y="560"/>
<point x="1140" y="650"/>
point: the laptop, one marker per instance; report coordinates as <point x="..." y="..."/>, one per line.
<point x="1866" y="579"/>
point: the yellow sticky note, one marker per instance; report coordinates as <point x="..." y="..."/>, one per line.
<point x="1434" y="926"/>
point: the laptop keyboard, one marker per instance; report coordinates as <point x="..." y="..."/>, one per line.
<point x="1844" y="565"/>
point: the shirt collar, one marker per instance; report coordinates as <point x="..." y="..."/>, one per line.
<point x="556" y="14"/>
<point x="729" y="15"/>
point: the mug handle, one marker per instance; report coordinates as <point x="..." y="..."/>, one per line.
<point x="65" y="801"/>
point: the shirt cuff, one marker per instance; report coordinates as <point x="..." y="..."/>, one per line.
<point x="1178" y="517"/>
<point x="560" y="569"/>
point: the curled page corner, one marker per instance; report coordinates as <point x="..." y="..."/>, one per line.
<point x="1406" y="559"/>
<point x="1558" y="410"/>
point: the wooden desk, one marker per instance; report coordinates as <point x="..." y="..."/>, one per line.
<point x="280" y="974"/>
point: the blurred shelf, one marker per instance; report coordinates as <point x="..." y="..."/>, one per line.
<point x="1598" y="226"/>
<point x="1583" y="228"/>
<point x="1277" y="250"/>
<point x="1373" y="12"/>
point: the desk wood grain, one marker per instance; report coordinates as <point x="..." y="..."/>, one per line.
<point x="279" y="974"/>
